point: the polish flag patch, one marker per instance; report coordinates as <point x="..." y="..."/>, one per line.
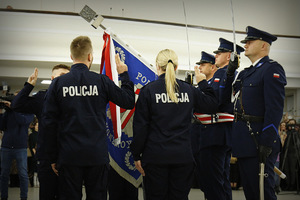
<point x="276" y="75"/>
<point x="217" y="80"/>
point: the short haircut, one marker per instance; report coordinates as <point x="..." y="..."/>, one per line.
<point x="61" y="66"/>
<point x="80" y="47"/>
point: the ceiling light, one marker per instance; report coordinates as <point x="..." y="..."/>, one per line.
<point x="47" y="82"/>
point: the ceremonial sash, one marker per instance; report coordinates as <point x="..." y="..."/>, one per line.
<point x="214" y="118"/>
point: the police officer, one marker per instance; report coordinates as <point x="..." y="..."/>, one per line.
<point x="208" y="68"/>
<point x="258" y="110"/>
<point x="75" y="108"/>
<point x="213" y="158"/>
<point x="25" y="103"/>
<point x="161" y="144"/>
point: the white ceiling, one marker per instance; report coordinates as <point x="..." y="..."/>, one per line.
<point x="29" y="40"/>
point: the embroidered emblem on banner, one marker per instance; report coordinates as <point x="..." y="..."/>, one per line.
<point x="121" y="53"/>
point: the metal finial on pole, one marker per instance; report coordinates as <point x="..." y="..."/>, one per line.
<point x="233" y="29"/>
<point x="88" y="14"/>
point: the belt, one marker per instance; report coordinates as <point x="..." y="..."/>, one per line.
<point x="214" y="118"/>
<point x="248" y="118"/>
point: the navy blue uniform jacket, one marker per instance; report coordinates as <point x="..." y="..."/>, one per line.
<point x="76" y="105"/>
<point x="15" y="127"/>
<point x="218" y="133"/>
<point x="32" y="104"/>
<point x="262" y="95"/>
<point x="161" y="127"/>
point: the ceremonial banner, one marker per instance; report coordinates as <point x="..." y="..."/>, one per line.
<point x="119" y="121"/>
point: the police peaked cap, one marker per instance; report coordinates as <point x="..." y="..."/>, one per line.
<point x="206" y="58"/>
<point x="227" y="46"/>
<point x="255" y="34"/>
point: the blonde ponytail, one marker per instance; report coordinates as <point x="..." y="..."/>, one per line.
<point x="167" y="60"/>
<point x="171" y="83"/>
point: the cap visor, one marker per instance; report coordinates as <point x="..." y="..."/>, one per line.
<point x="203" y="61"/>
<point x="221" y="51"/>
<point x="244" y="41"/>
<point x="250" y="38"/>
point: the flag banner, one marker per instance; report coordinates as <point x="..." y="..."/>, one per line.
<point x="140" y="73"/>
<point x="108" y="67"/>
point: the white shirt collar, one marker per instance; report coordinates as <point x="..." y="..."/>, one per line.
<point x="256" y="61"/>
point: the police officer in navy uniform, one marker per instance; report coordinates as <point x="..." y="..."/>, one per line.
<point x="161" y="145"/>
<point x="23" y="102"/>
<point x="213" y="158"/>
<point x="259" y="91"/>
<point x="206" y="66"/>
<point x="75" y="108"/>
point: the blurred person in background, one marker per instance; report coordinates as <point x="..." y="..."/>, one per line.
<point x="32" y="145"/>
<point x="14" y="146"/>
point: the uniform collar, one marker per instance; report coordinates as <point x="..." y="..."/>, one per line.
<point x="209" y="81"/>
<point x="225" y="67"/>
<point x="260" y="61"/>
<point x="79" y="66"/>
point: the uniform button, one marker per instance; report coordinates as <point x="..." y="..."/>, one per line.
<point x="250" y="84"/>
<point x="274" y="141"/>
<point x="257" y="133"/>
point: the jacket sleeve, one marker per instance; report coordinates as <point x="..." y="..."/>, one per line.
<point x="141" y="123"/>
<point x="205" y="98"/>
<point x="225" y="95"/>
<point x="23" y="102"/>
<point x="50" y="122"/>
<point x="23" y="119"/>
<point x="124" y="96"/>
<point x="274" y="93"/>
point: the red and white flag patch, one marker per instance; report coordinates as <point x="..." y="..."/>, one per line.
<point x="217" y="80"/>
<point x="276" y="75"/>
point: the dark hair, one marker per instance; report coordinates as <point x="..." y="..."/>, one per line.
<point x="61" y="66"/>
<point x="33" y="123"/>
<point x="292" y="120"/>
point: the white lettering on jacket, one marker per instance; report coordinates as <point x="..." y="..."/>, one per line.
<point x="164" y="98"/>
<point x="84" y="90"/>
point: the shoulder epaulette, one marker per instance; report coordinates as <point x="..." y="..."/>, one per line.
<point x="272" y="61"/>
